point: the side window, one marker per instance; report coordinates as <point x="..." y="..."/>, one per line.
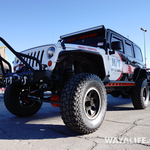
<point x="138" y="53"/>
<point x="115" y="39"/>
<point x="129" y="49"/>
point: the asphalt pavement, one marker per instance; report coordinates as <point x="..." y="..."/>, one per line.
<point x="124" y="128"/>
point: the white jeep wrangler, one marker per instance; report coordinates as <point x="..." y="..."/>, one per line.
<point x="78" y="72"/>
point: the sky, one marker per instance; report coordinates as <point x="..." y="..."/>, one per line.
<point x="28" y="23"/>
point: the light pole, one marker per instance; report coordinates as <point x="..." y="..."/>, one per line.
<point x="144" y="44"/>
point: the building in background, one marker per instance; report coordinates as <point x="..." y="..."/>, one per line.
<point x="3" y="54"/>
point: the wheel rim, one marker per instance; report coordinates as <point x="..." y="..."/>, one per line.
<point x="22" y="99"/>
<point x="145" y="99"/>
<point x="144" y="94"/>
<point x="92" y="103"/>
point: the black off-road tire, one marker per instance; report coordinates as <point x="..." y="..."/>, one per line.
<point x="83" y="103"/>
<point x="140" y="94"/>
<point x="15" y="102"/>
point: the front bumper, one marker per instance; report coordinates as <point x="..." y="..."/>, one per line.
<point x="27" y="77"/>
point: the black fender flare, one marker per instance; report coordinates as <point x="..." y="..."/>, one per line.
<point x="139" y="73"/>
<point x="92" y="56"/>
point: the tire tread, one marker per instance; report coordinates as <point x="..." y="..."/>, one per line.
<point x="70" y="102"/>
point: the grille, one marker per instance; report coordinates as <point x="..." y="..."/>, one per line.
<point x="36" y="54"/>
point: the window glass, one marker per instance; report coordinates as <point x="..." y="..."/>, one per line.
<point x="129" y="49"/>
<point x="138" y="53"/>
<point x="115" y="39"/>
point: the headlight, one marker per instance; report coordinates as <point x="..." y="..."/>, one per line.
<point x="17" y="60"/>
<point x="50" y="52"/>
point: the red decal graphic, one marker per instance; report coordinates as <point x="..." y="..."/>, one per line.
<point x="122" y="68"/>
<point x="128" y="69"/>
<point x="87" y="48"/>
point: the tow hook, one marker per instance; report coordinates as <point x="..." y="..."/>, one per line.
<point x="24" y="80"/>
<point x="8" y="80"/>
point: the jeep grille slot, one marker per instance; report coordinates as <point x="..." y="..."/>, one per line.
<point x="37" y="57"/>
<point x="42" y="55"/>
<point x="30" y="59"/>
<point x="27" y="58"/>
<point x="33" y="60"/>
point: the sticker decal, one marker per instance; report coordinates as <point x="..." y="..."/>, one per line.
<point x="116" y="67"/>
<point x="100" y="44"/>
<point x="87" y="48"/>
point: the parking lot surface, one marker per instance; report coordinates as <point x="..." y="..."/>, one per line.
<point x="123" y="128"/>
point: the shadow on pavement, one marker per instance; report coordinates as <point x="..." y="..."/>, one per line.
<point x="119" y="104"/>
<point x="33" y="128"/>
<point x="24" y="131"/>
<point x="47" y="123"/>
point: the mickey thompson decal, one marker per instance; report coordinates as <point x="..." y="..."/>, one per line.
<point x="116" y="65"/>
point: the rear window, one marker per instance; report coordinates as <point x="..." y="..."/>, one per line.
<point x="129" y="49"/>
<point x="138" y="53"/>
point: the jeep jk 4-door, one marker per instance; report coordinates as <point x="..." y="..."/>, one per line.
<point x="78" y="72"/>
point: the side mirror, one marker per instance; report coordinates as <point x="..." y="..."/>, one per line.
<point x="116" y="45"/>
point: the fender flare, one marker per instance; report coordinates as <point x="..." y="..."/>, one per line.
<point x="139" y="73"/>
<point x="64" y="55"/>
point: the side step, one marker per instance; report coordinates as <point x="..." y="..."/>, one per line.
<point x="119" y="84"/>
